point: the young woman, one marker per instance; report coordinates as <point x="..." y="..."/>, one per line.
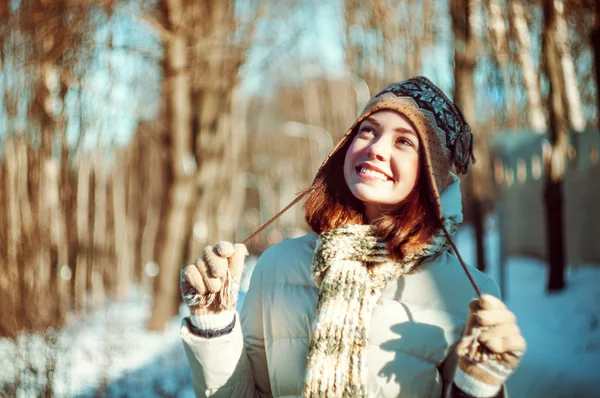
<point x="374" y="302"/>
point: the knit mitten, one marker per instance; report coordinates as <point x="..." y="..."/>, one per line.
<point x="210" y="286"/>
<point x="490" y="350"/>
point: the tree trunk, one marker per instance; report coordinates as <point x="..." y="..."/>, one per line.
<point x="155" y="180"/>
<point x="43" y="279"/>
<point x="100" y="260"/>
<point x="478" y="183"/>
<point x="218" y="142"/>
<point x="535" y="112"/>
<point x="83" y="234"/>
<point x="596" y="47"/>
<point x="201" y="69"/>
<point x="14" y="295"/>
<point x="39" y="279"/>
<point x="123" y="237"/>
<point x="59" y="236"/>
<point x="571" y="93"/>
<point x="182" y="166"/>
<point x="500" y="51"/>
<point x="133" y="210"/>
<point x="555" y="163"/>
<point x="555" y="239"/>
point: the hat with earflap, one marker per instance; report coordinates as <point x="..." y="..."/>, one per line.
<point x="445" y="135"/>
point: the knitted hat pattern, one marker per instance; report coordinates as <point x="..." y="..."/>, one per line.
<point x="351" y="268"/>
<point x="445" y="135"/>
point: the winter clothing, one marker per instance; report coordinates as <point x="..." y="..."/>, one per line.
<point x="412" y="330"/>
<point x="332" y="315"/>
<point x="351" y="268"/>
<point x="212" y="283"/>
<point x="444" y="133"/>
<point x="491" y="349"/>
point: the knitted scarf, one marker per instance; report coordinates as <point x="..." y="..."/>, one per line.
<point x="351" y="267"/>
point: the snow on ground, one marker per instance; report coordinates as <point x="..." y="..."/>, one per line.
<point x="562" y="330"/>
<point x="107" y="354"/>
<point x="111" y="354"/>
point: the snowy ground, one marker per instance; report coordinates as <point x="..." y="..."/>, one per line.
<point x="562" y="330"/>
<point x="110" y="353"/>
<point x="107" y="354"/>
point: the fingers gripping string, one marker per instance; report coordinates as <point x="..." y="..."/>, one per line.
<point x="224" y="299"/>
<point x="228" y="294"/>
<point x="188" y="293"/>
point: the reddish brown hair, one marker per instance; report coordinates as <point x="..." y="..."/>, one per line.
<point x="406" y="227"/>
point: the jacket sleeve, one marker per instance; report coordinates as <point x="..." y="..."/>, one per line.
<point x="232" y="365"/>
<point x="449" y="365"/>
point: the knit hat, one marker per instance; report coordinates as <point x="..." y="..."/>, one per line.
<point x="444" y="133"/>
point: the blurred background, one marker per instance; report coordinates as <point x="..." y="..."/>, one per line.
<point x="133" y="133"/>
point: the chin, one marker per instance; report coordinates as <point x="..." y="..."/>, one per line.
<point x="368" y="196"/>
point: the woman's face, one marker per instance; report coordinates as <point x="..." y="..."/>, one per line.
<point x="381" y="166"/>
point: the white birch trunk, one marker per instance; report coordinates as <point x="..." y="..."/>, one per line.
<point x="58" y="234"/>
<point x="535" y="112"/>
<point x="556" y="162"/>
<point x="572" y="95"/>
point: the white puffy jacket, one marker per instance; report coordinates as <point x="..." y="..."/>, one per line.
<point x="413" y="331"/>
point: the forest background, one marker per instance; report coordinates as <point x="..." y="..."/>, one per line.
<point x="133" y="133"/>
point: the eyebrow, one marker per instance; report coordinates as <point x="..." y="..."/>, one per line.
<point x="401" y="130"/>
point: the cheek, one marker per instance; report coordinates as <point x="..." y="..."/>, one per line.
<point x="410" y="168"/>
<point x="350" y="160"/>
<point x="415" y="165"/>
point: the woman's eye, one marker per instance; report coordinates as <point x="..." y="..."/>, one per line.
<point x="366" y="132"/>
<point x="404" y="141"/>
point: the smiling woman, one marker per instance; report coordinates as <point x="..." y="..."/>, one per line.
<point x="373" y="303"/>
<point x="382" y="163"/>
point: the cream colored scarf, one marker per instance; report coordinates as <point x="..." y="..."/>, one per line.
<point x="351" y="268"/>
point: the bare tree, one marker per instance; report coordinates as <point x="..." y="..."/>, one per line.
<point x="202" y="58"/>
<point x="46" y="49"/>
<point x="555" y="163"/>
<point x="571" y="87"/>
<point x="596" y="44"/>
<point x="385" y="39"/>
<point x="182" y="163"/>
<point x="99" y="258"/>
<point x="500" y="53"/>
<point x="464" y="15"/>
<point x="535" y="113"/>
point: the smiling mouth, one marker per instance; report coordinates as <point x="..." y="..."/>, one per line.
<point x="371" y="174"/>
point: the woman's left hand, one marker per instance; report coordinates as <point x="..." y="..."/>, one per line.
<point x="490" y="349"/>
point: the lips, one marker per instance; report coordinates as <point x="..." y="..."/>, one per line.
<point x="369" y="171"/>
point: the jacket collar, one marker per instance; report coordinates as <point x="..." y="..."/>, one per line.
<point x="451" y="200"/>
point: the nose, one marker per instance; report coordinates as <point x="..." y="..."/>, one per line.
<point x="379" y="149"/>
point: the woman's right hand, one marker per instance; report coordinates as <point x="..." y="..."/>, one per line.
<point x="211" y="284"/>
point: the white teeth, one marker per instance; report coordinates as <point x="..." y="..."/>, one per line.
<point x="374" y="174"/>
